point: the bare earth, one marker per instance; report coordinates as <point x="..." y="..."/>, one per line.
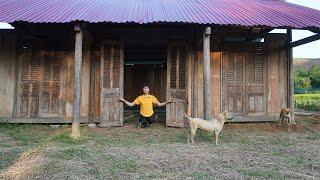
<point x="245" y="151"/>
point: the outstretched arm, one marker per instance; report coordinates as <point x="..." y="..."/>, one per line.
<point x="127" y="102"/>
<point x="164" y="103"/>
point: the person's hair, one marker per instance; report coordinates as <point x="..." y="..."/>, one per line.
<point x="145" y="85"/>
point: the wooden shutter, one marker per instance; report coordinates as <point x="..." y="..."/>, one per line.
<point x="111" y="84"/>
<point x="176" y="79"/>
<point x="51" y="82"/>
<point x="234" y="79"/>
<point x="255" y="75"/>
<point x="30" y="58"/>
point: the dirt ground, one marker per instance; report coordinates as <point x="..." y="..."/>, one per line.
<point x="245" y="151"/>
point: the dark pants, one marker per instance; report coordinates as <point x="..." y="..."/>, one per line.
<point x="146" y="121"/>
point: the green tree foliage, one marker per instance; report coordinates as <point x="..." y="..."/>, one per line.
<point x="302" y="83"/>
<point x="305" y="80"/>
<point x="315" y="76"/>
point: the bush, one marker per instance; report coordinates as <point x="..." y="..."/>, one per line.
<point x="309" y="102"/>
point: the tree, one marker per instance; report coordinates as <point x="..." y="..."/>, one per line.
<point x="303" y="83"/>
<point x="314" y="75"/>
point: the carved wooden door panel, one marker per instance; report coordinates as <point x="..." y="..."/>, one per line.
<point x="176" y="84"/>
<point x="111" y="84"/>
<point x="29" y="79"/>
<point x="234" y="95"/>
<point x="255" y="78"/>
<point x="52" y="67"/>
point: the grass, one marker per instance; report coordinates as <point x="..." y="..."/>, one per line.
<point x="309" y="102"/>
<point x="244" y="152"/>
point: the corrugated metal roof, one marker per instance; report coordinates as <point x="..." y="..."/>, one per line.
<point x="270" y="13"/>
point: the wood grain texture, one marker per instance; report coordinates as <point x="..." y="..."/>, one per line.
<point x="276" y="71"/>
<point x="77" y="86"/>
<point x="111" y="86"/>
<point x="7" y="73"/>
<point x="86" y="65"/>
<point x="176" y="84"/>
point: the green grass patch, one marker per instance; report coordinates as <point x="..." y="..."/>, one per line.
<point x="314" y="136"/>
<point x="72" y="153"/>
<point x="299" y="161"/>
<point x="281" y="142"/>
<point x="254" y="173"/>
<point x="201" y="176"/>
<point x="309" y="102"/>
<point x="26" y="134"/>
<point x="65" y="137"/>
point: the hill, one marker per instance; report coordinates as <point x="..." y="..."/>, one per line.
<point x="304" y="63"/>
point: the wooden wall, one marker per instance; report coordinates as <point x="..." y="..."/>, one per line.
<point x="264" y="78"/>
<point x="277" y="73"/>
<point x="7" y="73"/>
<point x="215" y="82"/>
<point x="44" y="73"/>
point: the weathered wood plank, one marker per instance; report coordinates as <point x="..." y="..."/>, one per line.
<point x="7" y="73"/>
<point x="111" y="86"/>
<point x="216" y="82"/>
<point x="176" y="84"/>
<point x="86" y="64"/>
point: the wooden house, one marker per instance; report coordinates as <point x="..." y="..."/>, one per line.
<point x="72" y="59"/>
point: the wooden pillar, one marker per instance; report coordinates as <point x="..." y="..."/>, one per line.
<point x="290" y="73"/>
<point x="206" y="73"/>
<point x="77" y="87"/>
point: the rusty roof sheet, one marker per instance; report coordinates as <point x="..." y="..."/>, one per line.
<point x="271" y="13"/>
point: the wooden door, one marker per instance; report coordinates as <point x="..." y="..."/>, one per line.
<point x="255" y="80"/>
<point x="51" y="81"/>
<point x="29" y="79"/>
<point x="234" y="83"/>
<point x="111" y="84"/>
<point x="176" y="84"/>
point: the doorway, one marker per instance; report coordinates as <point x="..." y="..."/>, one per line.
<point x="144" y="65"/>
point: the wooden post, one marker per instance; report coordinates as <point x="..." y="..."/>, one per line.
<point x="206" y="73"/>
<point x="77" y="88"/>
<point x="290" y="74"/>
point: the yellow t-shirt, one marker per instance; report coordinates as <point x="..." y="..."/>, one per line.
<point x="146" y="104"/>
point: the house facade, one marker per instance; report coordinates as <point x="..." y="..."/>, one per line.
<point x="208" y="56"/>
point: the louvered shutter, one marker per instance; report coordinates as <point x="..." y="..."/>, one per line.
<point x="176" y="79"/>
<point x="111" y="84"/>
<point x="234" y="63"/>
<point x="28" y="103"/>
<point x="255" y="80"/>
<point x="51" y="82"/>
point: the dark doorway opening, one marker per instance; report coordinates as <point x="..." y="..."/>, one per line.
<point x="144" y="65"/>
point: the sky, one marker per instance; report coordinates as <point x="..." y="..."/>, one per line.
<point x="311" y="50"/>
